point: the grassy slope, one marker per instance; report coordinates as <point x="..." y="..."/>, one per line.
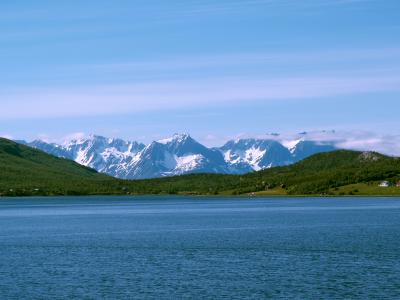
<point x="323" y="173"/>
<point x="319" y="174"/>
<point x="23" y="170"/>
<point x="365" y="189"/>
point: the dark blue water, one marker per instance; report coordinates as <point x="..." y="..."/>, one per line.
<point x="191" y="248"/>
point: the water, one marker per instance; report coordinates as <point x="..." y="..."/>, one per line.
<point x="191" y="248"/>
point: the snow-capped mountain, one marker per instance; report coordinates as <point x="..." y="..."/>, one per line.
<point x="305" y="149"/>
<point x="100" y="153"/>
<point x="180" y="154"/>
<point x="177" y="155"/>
<point x="50" y="148"/>
<point x="103" y="154"/>
<point x="255" y="154"/>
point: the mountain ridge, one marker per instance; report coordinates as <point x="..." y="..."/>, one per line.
<point x="179" y="155"/>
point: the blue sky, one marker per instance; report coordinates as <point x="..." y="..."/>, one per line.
<point x="143" y="70"/>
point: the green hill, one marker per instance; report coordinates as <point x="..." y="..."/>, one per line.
<point x="325" y="173"/>
<point x="26" y="171"/>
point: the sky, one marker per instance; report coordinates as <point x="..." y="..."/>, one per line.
<point x="143" y="70"/>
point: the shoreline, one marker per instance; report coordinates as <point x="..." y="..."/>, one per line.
<point x="200" y="196"/>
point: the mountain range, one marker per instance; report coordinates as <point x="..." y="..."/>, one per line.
<point x="179" y="155"/>
<point x="26" y="171"/>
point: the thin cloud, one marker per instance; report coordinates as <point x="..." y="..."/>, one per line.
<point x="6" y="136"/>
<point x="373" y="61"/>
<point x="274" y="6"/>
<point x="149" y="14"/>
<point x="352" y="139"/>
<point x="359" y="140"/>
<point x="245" y="59"/>
<point x="166" y="95"/>
<point x="73" y="136"/>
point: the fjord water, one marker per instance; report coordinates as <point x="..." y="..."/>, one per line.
<point x="188" y="248"/>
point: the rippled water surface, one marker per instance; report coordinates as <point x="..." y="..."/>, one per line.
<point x="191" y="248"/>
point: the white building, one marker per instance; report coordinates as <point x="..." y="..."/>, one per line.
<point x="384" y="184"/>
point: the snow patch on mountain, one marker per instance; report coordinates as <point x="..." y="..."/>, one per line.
<point x="291" y="144"/>
<point x="176" y="138"/>
<point x="253" y="156"/>
<point x="188" y="162"/>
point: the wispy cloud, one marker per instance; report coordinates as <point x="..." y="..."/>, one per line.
<point x="245" y="59"/>
<point x="241" y="6"/>
<point x="165" y="95"/>
<point x="6" y="136"/>
<point x="362" y="140"/>
<point x="389" y="144"/>
<point x="146" y="14"/>
<point x="359" y="140"/>
<point x="259" y="65"/>
<point x="351" y="139"/>
<point x="72" y="136"/>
